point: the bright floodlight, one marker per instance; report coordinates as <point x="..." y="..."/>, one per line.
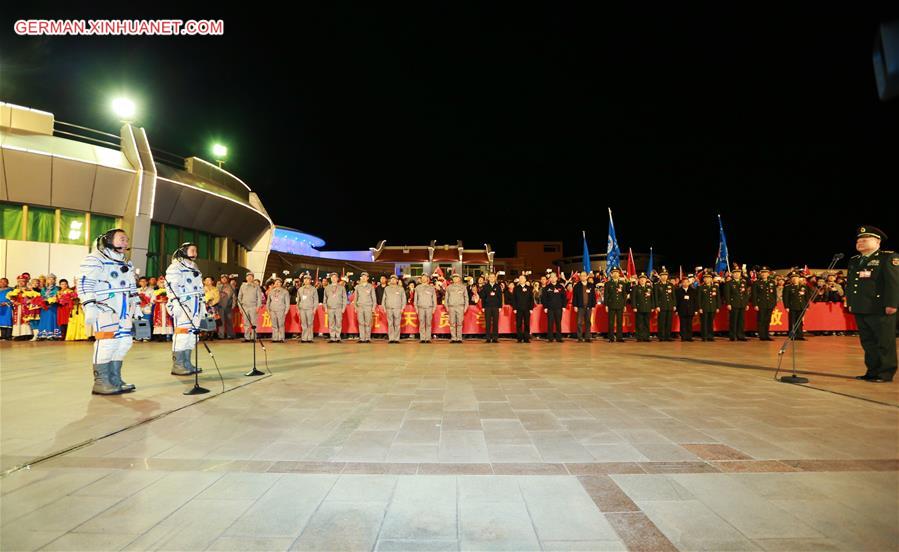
<point x="219" y="151"/>
<point x="123" y="108"/>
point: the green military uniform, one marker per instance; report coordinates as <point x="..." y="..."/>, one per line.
<point x="666" y="303"/>
<point x="615" y="298"/>
<point x="736" y="296"/>
<point x="796" y="297"/>
<point x="643" y="301"/>
<point x="873" y="286"/>
<point x="764" y="297"/>
<point x="709" y="303"/>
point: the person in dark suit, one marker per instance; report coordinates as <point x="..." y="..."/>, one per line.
<point x="686" y="299"/>
<point x="553" y="301"/>
<point x="491" y="302"/>
<point x="583" y="299"/>
<point x="522" y="304"/>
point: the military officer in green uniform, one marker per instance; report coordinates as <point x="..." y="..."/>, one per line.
<point x="666" y="304"/>
<point x="736" y="296"/>
<point x="872" y="295"/>
<point x="764" y="299"/>
<point x="615" y="298"/>
<point x="709" y="303"/>
<point x="643" y="301"/>
<point x="796" y="296"/>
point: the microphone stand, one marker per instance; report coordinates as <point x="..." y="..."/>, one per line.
<point x="790" y="341"/>
<point x="254" y="371"/>
<point x="196" y="390"/>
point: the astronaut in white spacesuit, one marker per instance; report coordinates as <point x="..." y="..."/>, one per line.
<point x="186" y="305"/>
<point x="109" y="297"/>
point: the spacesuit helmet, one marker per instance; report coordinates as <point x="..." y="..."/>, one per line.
<point x="105" y="241"/>
<point x="181" y="252"/>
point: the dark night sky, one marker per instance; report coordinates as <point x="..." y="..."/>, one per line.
<point x="447" y="122"/>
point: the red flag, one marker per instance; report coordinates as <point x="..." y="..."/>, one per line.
<point x="806" y="271"/>
<point x="439" y="272"/>
<point x="631" y="267"/>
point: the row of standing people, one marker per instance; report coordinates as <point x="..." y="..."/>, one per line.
<point x="663" y="297"/>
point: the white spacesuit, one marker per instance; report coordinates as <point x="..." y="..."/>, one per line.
<point x="186" y="306"/>
<point x="109" y="297"/>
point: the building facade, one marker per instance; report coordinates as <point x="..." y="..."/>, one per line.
<point x="62" y="185"/>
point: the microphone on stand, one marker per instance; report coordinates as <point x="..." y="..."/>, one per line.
<point x="793" y="378"/>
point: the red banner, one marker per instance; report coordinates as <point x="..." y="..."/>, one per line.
<point x="820" y="317"/>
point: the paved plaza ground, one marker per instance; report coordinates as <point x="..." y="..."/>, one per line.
<point x="632" y="446"/>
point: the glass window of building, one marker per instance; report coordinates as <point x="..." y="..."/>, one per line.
<point x="41" y="223"/>
<point x="72" y="227"/>
<point x="10" y="221"/>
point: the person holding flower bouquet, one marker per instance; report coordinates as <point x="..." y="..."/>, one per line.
<point x="32" y="304"/>
<point x="48" y="328"/>
<point x="76" y="330"/>
<point x="65" y="300"/>
<point x="18" y="300"/>
<point x="145" y="294"/>
<point x="162" y="320"/>
<point x="5" y="311"/>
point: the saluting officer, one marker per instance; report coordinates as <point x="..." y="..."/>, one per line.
<point x="736" y="295"/>
<point x="364" y="301"/>
<point x="764" y="297"/>
<point x="335" y="303"/>
<point x="393" y="300"/>
<point x="615" y="298"/>
<point x="522" y="304"/>
<point x="307" y="301"/>
<point x="796" y="296"/>
<point x="643" y="301"/>
<point x="666" y="305"/>
<point x="250" y="298"/>
<point x="873" y="296"/>
<point x="277" y="302"/>
<point x="709" y="303"/>
<point x="456" y="301"/>
<point x="425" y="300"/>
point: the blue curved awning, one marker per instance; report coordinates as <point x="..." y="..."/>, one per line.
<point x="289" y="240"/>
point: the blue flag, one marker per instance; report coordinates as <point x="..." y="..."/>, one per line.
<point x="613" y="252"/>
<point x="722" y="262"/>
<point x="586" y="253"/>
<point x="649" y="268"/>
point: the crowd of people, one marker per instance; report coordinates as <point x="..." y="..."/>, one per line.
<point x="47" y="308"/>
<point x="109" y="301"/>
